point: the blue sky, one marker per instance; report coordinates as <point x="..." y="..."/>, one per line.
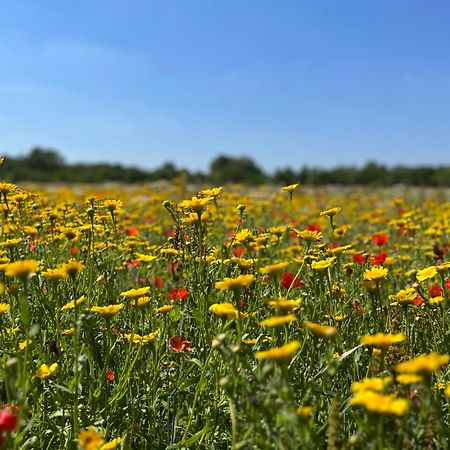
<point x="286" y="82"/>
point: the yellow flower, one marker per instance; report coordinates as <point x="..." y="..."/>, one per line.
<point x="44" y="371"/>
<point x="243" y="263"/>
<point x="55" y="274"/>
<point x="73" y="267"/>
<point x="141" y="302"/>
<point x="427" y="273"/>
<point x="235" y="283"/>
<point x="111" y="445"/>
<point x="279" y="353"/>
<point x="73" y="303"/>
<point x="447" y="390"/>
<point x="90" y="439"/>
<point x="309" y="235"/>
<point x="423" y="363"/>
<point x="213" y="193"/>
<point x="69" y="332"/>
<point x="379" y="403"/>
<point x="249" y="342"/>
<point x="330" y="212"/>
<point x="23" y="345"/>
<point x="164" y="308"/>
<point x="195" y="204"/>
<point x="322" y="331"/>
<point x="382" y="340"/>
<point x="111" y="205"/>
<point x="322" y="265"/>
<point x="283" y="304"/>
<point x="224" y="309"/>
<point x="304" y="411"/>
<point x="291" y="188"/>
<point x="273" y="268"/>
<point x="406" y="378"/>
<point x="107" y="311"/>
<point x="21" y="269"/>
<point x="276" y="321"/>
<point x="436" y="300"/>
<point x="376" y="273"/>
<point x="4" y="307"/>
<point x="370" y="384"/>
<point x="145" y="258"/>
<point x="404" y="296"/>
<point x="138" y="339"/>
<point x="135" y="293"/>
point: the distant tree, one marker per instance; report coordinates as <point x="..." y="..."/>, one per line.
<point x="236" y="170"/>
<point x="44" y="159"/>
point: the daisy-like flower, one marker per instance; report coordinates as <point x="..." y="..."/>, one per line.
<point x="21" y="269"/>
<point x="323" y="264"/>
<point x="107" y="311"/>
<point x="331" y="211"/>
<point x="426" y="274"/>
<point x="73" y="303"/>
<point x="291" y="188"/>
<point x="375" y="273"/>
<point x="273" y="268"/>
<point x="382" y="340"/>
<point x="276" y="321"/>
<point x="423" y="363"/>
<point x="135" y="293"/>
<point x="235" y="283"/>
<point x="371" y="384"/>
<point x="379" y="403"/>
<point x="4" y="307"/>
<point x="279" y="353"/>
<point x="225" y="309"/>
<point x="322" y="331"/>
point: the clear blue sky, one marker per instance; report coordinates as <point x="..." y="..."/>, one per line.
<point x="285" y="82"/>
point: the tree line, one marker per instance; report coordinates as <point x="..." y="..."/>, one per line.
<point x="47" y="165"/>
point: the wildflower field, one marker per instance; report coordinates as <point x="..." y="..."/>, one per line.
<point x="164" y="317"/>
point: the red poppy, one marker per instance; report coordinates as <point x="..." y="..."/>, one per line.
<point x="178" y="344"/>
<point x="32" y="245"/>
<point x="73" y="251"/>
<point x="110" y="376"/>
<point x="238" y="251"/>
<point x="178" y="293"/>
<point x="289" y="281"/>
<point x="359" y="258"/>
<point x="157" y="281"/>
<point x="133" y="263"/>
<point x="8" y="420"/>
<point x="418" y="301"/>
<point x="314" y="227"/>
<point x="131" y="231"/>
<point x="380" y="238"/>
<point x="434" y="290"/>
<point x="378" y="259"/>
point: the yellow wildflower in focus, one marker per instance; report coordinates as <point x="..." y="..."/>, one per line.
<point x="291" y="188"/>
<point x="273" y="268"/>
<point x="235" y="283"/>
<point x="436" y="300"/>
<point x="23" y="345"/>
<point x="279" y="353"/>
<point x="382" y="340"/>
<point x="407" y="378"/>
<point x="224" y="309"/>
<point x="4" y="307"/>
<point x="141" y="302"/>
<point x="21" y="269"/>
<point x="370" y="384"/>
<point x="322" y="331"/>
<point x="277" y="321"/>
<point x="330" y="212"/>
<point x="283" y="304"/>
<point x="379" y="403"/>
<point x="423" y="363"/>
<point x="138" y="339"/>
<point x="323" y="264"/>
<point x="426" y="274"/>
<point x="376" y="273"/>
<point x="195" y="204"/>
<point x="107" y="311"/>
<point x="90" y="439"/>
<point x="164" y="308"/>
<point x="243" y="263"/>
<point x="135" y="293"/>
<point x="249" y="342"/>
<point x="44" y="371"/>
<point x="404" y="296"/>
<point x="73" y="303"/>
<point x="213" y="193"/>
<point x="304" y="411"/>
<point x="112" y="205"/>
